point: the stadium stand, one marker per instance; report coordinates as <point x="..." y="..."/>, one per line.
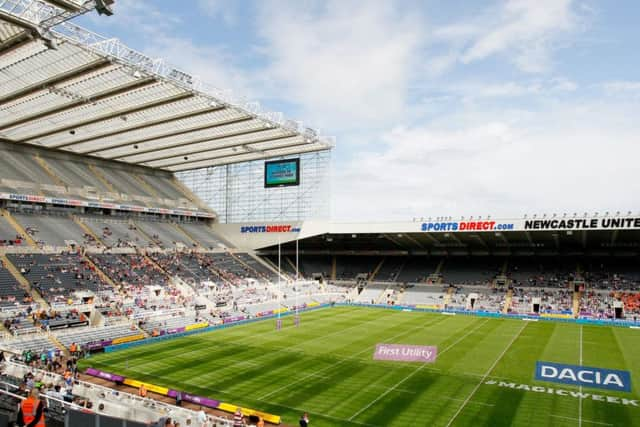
<point x="125" y="252"/>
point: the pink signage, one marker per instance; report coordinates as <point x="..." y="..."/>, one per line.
<point x="405" y="353"/>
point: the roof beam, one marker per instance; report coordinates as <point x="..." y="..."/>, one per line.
<point x="99" y="97"/>
<point x="614" y="237"/>
<point x="414" y="241"/>
<point x="235" y="144"/>
<point x="482" y="242"/>
<point x="166" y="135"/>
<point x="431" y="238"/>
<point x="147" y="124"/>
<point x="66" y="5"/>
<point x="235" y="154"/>
<point x="15" y="42"/>
<point x="395" y="241"/>
<point x="14" y="20"/>
<point x="110" y="116"/>
<point x="54" y="80"/>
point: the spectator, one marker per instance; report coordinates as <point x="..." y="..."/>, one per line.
<point x="304" y="420"/>
<point x="238" y="420"/>
<point x="31" y="412"/>
<point x="202" y="417"/>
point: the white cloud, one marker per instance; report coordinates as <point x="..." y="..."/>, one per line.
<point x="563" y="159"/>
<point x="527" y="32"/>
<point x="622" y="87"/>
<point x="340" y="61"/>
<point x="160" y="34"/>
<point x="534" y="89"/>
<point x="219" y="9"/>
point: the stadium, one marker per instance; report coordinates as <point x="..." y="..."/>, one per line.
<point x="165" y="260"/>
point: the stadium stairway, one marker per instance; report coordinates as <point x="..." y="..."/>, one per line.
<point x="376" y="270"/>
<point x="334" y="267"/>
<point x="383" y="296"/>
<point x="404" y="263"/>
<point x="37" y="298"/>
<point x="19" y="228"/>
<point x="58" y="344"/>
<point x="508" y="300"/>
<point x="284" y="271"/>
<point x="188" y="235"/>
<point x="102" y="179"/>
<point x="190" y="195"/>
<point x="43" y="164"/>
<point x="447" y="296"/>
<point x="104" y="276"/>
<point x="86" y="229"/>
<point x="145" y="235"/>
<point x="576" y="304"/>
<point x="159" y="267"/>
<point x="96" y="318"/>
<point x="251" y="268"/>
<point x="146" y="186"/>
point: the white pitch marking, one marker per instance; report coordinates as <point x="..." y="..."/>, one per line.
<point x="580" y="407"/>
<point x="491" y="368"/>
<point x="414" y="372"/>
<point x="271" y="393"/>
<point x="586" y="421"/>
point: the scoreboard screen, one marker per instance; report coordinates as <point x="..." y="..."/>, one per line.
<point x="281" y="173"/>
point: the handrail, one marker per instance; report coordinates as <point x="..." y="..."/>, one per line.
<point x="135" y="400"/>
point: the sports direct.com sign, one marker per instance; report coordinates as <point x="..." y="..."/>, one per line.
<point x="275" y="228"/>
<point x="550" y="224"/>
<point x="405" y="353"/>
<point x="466" y="226"/>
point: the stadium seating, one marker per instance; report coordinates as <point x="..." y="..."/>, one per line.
<point x="417" y="269"/>
<point x="11" y="293"/>
<point x="390" y="269"/>
<point x="51" y="229"/>
<point x="205" y="236"/>
<point x="115" y="232"/>
<point x="37" y="342"/>
<point x="34" y="171"/>
<point x="371" y="293"/>
<point x="8" y="235"/>
<point x="130" y="271"/>
<point x="470" y="271"/>
<point x="83" y="336"/>
<point x="423" y="295"/>
<point x="58" y="278"/>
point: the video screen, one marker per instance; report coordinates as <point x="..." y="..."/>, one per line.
<point x="282" y="173"/>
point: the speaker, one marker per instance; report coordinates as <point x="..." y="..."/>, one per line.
<point x="104" y="7"/>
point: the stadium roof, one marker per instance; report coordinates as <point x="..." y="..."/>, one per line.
<point x="66" y="88"/>
<point x="542" y="243"/>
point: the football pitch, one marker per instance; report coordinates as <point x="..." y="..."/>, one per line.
<point x="483" y="375"/>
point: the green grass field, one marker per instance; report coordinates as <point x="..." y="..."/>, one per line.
<point x="325" y="367"/>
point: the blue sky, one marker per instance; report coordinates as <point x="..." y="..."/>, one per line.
<point x="438" y="107"/>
